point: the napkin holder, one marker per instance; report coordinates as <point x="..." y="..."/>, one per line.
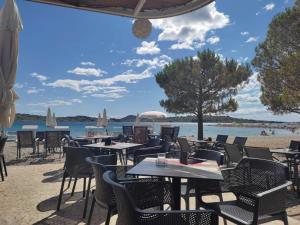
<point x="184" y="157"/>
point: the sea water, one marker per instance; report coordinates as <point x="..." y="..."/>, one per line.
<point x="186" y="129"/>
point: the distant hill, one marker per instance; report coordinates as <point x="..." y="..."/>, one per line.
<point x="131" y="118"/>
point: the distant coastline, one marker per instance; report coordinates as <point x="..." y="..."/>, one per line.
<point x="221" y="120"/>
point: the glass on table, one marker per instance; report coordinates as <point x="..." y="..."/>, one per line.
<point x="161" y="159"/>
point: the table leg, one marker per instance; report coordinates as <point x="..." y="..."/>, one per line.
<point x="296" y="174"/>
<point x="176" y="185"/>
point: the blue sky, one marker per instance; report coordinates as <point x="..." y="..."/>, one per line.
<point x="80" y="62"/>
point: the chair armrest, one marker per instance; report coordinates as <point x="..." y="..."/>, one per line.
<point x="272" y="201"/>
<point x="272" y="190"/>
<point x="184" y="217"/>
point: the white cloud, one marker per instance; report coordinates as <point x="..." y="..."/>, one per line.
<point x="243" y="59"/>
<point x="87" y="72"/>
<point x="269" y="7"/>
<point x="40" y="77"/>
<point x="18" y="85"/>
<point x="247" y="98"/>
<point x="182" y="45"/>
<point x="157" y="62"/>
<point x="250" y="111"/>
<point x="117" y="51"/>
<point x="102" y="87"/>
<point x="87" y="64"/>
<point x="34" y="90"/>
<point x="57" y="102"/>
<point x="252" y="39"/>
<point x="190" y="29"/>
<point x="150" y="48"/>
<point x="213" y="40"/>
<point x="253" y="84"/>
<point x="245" y="33"/>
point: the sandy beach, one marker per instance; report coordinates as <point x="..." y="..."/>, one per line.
<point x="29" y="193"/>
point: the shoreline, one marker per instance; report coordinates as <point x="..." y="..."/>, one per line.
<point x="286" y="126"/>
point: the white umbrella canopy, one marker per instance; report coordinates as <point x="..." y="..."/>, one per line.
<point x="99" y="121"/>
<point x="153" y="115"/>
<point x="137" y="120"/>
<point x="54" y="122"/>
<point x="104" y="120"/>
<point x="10" y="25"/>
<point x="49" y="118"/>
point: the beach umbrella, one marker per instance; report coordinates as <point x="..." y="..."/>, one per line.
<point x="153" y="115"/>
<point x="137" y="9"/>
<point x="141" y="10"/>
<point x="99" y="121"/>
<point x="10" y="25"/>
<point x="104" y="120"/>
<point x="54" y="123"/>
<point x="137" y="120"/>
<point x="48" y="117"/>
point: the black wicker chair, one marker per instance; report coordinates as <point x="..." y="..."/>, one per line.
<point x="52" y="141"/>
<point x="175" y="134"/>
<point x="2" y="159"/>
<point x="138" y="203"/>
<point x="103" y="194"/>
<point x="233" y="153"/>
<point x="220" y="142"/>
<point x="140" y="135"/>
<point x="128" y="131"/>
<point x="167" y="133"/>
<point x="240" y="142"/>
<point x="25" y="139"/>
<point x="164" y="148"/>
<point x="77" y="167"/>
<point x="260" y="187"/>
<point x="188" y="188"/>
<point x="258" y="152"/>
<point x="184" y="145"/>
<point x="294" y="145"/>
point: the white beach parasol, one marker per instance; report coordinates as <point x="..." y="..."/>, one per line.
<point x="104" y="120"/>
<point x="99" y="121"/>
<point x="153" y="115"/>
<point x="49" y="118"/>
<point x="137" y="120"/>
<point x="10" y="25"/>
<point x="54" y="122"/>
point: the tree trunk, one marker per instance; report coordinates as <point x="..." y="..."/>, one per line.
<point x="200" y="125"/>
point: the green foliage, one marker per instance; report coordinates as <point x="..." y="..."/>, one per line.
<point x="202" y="85"/>
<point x="277" y="61"/>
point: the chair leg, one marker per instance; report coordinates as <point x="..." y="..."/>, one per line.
<point x="108" y="216"/>
<point x="69" y="184"/>
<point x="4" y="165"/>
<point x="285" y="219"/>
<point x="91" y="211"/>
<point x="61" y="191"/>
<point x="1" y="172"/>
<point x="74" y="185"/>
<point x="221" y="200"/>
<point x="87" y="197"/>
<point x="84" y="186"/>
